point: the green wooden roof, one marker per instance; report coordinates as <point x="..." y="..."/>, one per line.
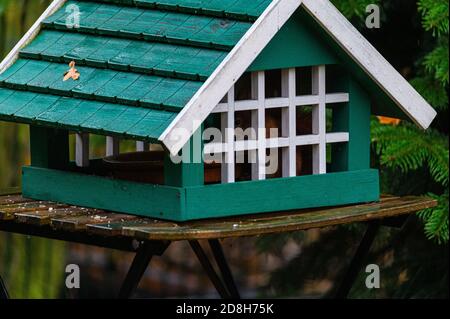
<point x="140" y="62"/>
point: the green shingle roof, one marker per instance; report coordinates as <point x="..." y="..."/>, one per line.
<point x="140" y="62"/>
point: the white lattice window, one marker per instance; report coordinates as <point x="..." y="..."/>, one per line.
<point x="289" y="140"/>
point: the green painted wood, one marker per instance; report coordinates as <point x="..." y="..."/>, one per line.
<point x="352" y="117"/>
<point x="237" y="9"/>
<point x="295" y="45"/>
<point x="49" y="147"/>
<point x="188" y="169"/>
<point x="123" y="54"/>
<point x="359" y="127"/>
<point x="14" y="101"/>
<point x="144" y="90"/>
<point x="201" y="202"/>
<point x="166" y="26"/>
<point x="103" y="193"/>
<point x="83" y="115"/>
<point x="282" y="194"/>
<point x="381" y="103"/>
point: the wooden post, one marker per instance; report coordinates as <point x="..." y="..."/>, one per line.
<point x="112" y="146"/>
<point x="49" y="147"/>
<point x="352" y="117"/>
<point x="82" y="149"/>
<point x="191" y="170"/>
<point x="142" y="146"/>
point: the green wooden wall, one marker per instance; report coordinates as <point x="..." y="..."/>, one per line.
<point x="297" y="44"/>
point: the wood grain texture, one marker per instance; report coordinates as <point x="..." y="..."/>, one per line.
<point x="201" y="202"/>
<point x="281" y="194"/>
<point x="114" y="225"/>
<point x="102" y="193"/>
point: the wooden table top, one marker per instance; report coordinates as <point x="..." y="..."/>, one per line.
<point x="14" y="209"/>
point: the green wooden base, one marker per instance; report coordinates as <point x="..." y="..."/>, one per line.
<point x="199" y="202"/>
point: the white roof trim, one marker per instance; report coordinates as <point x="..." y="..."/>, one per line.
<point x="30" y="35"/>
<point x="372" y="62"/>
<point x="227" y="73"/>
<point x="256" y="39"/>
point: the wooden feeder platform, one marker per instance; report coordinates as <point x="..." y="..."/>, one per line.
<point x="150" y="237"/>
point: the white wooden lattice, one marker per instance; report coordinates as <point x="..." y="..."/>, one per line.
<point x="289" y="141"/>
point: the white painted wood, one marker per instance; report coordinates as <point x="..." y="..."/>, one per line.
<point x="30" y="35"/>
<point x="289" y="123"/>
<point x="371" y="61"/>
<point x="306" y="100"/>
<point x="253" y="153"/>
<point x="307" y="140"/>
<point x="246" y="146"/>
<point x="228" y="125"/>
<point x="278" y="102"/>
<point x="112" y="146"/>
<point x="337" y="98"/>
<point x="245" y="105"/>
<point x="319" y="121"/>
<point x="228" y="72"/>
<point x="261" y="155"/>
<point x="281" y="142"/>
<point x="142" y="146"/>
<point x="82" y="149"/>
<point x="337" y="138"/>
<point x="214" y="148"/>
<point x="220" y="108"/>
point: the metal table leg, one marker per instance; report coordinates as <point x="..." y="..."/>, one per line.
<point x="3" y="291"/>
<point x="358" y="259"/>
<point x="221" y="261"/>
<point x="209" y="269"/>
<point x="140" y="263"/>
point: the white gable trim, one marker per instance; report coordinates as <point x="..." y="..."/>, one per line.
<point x="371" y="61"/>
<point x="227" y="73"/>
<point x="256" y="39"/>
<point x="30" y="35"/>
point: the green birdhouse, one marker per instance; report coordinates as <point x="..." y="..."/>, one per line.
<point x="236" y="107"/>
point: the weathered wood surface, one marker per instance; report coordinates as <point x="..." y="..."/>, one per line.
<point x="15" y="209"/>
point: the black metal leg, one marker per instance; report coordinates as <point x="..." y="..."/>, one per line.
<point x="206" y="264"/>
<point x="221" y="261"/>
<point x="3" y="291"/>
<point x="358" y="259"/>
<point x="140" y="263"/>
